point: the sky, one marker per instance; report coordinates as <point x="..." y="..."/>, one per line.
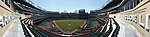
<point x="69" y="5"/>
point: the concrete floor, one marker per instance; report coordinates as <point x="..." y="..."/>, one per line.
<point x="15" y="30"/>
<point x="127" y="30"/>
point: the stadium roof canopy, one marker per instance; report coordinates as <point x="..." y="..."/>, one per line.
<point x="26" y="3"/>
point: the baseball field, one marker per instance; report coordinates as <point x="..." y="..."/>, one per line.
<point x="69" y="26"/>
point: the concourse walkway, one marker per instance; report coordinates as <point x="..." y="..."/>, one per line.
<point x="15" y="30"/>
<point x="127" y="30"/>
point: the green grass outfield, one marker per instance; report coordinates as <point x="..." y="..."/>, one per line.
<point x="69" y="26"/>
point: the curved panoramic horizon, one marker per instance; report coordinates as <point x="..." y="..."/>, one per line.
<point x="74" y="18"/>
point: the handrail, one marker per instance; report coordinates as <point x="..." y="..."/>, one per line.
<point x="27" y="29"/>
<point x="115" y="33"/>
